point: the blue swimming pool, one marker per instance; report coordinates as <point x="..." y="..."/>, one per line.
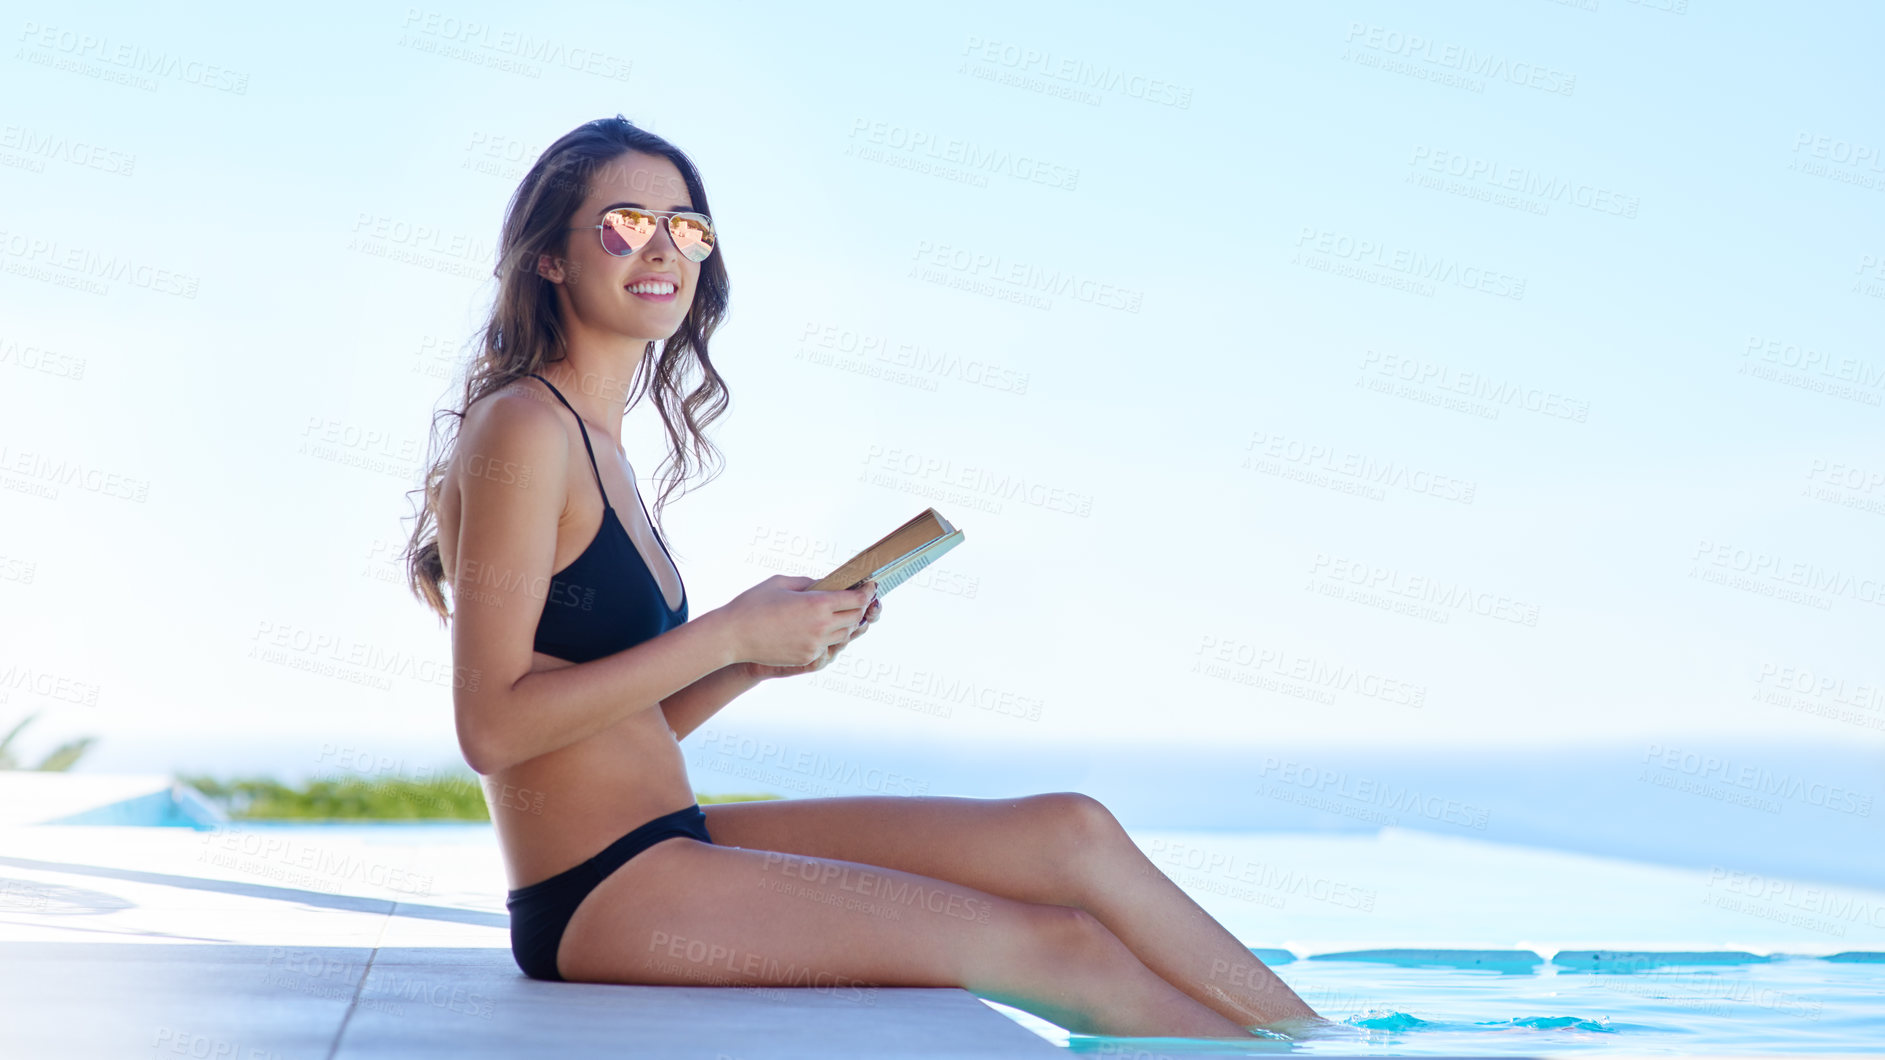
<point x="1719" y="1004"/>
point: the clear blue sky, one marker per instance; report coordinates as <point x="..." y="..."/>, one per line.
<point x="1244" y="342"/>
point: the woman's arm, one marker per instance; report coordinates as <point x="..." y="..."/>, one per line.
<point x="505" y="711"/>
<point x="690" y="708"/>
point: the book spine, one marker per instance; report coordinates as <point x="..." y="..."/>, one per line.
<point x="899" y="573"/>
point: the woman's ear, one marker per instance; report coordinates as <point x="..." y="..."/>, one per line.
<point x="550" y="267"/>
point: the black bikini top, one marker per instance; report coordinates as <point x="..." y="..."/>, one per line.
<point x="607" y="599"/>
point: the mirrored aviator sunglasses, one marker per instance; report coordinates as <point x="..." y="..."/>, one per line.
<point x="626" y="230"/>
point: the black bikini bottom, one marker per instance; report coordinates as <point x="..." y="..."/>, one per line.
<point x="541" y="911"/>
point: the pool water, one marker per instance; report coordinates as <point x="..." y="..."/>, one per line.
<point x="1718" y="1004"/>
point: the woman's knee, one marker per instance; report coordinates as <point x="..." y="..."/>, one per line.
<point x="1079" y="835"/>
<point x="1079" y="817"/>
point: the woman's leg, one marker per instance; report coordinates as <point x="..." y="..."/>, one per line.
<point x="685" y="912"/>
<point x="1061" y="848"/>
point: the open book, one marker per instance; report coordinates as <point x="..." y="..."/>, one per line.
<point x="898" y="555"/>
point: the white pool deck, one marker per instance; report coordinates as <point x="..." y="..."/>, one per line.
<point x="128" y="942"/>
<point x="121" y="941"/>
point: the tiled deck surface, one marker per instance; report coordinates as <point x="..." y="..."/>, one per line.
<point x="127" y="942"/>
<point x="263" y="1003"/>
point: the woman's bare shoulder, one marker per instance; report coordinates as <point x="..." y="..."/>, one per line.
<point x="510" y="438"/>
<point x="515" y="417"/>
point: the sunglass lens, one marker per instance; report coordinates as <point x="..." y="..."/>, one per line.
<point x="624" y="231"/>
<point x="693" y="235"/>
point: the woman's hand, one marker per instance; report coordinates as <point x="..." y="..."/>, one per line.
<point x="783" y="626"/>
<point x="871" y="614"/>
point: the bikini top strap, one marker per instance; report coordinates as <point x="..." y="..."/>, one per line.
<point x="579" y="426"/>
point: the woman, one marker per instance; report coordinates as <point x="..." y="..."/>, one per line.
<point x="583" y="672"/>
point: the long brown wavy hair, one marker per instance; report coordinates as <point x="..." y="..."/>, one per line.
<point x="525" y="332"/>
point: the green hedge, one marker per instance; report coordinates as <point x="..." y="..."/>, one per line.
<point x="455" y="797"/>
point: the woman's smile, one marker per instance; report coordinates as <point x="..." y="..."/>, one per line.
<point x="654" y="290"/>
